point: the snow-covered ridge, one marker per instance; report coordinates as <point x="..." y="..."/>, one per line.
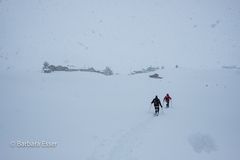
<point x="47" y="68"/>
<point x="231" y="67"/>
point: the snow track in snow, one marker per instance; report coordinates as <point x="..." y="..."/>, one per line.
<point x="122" y="144"/>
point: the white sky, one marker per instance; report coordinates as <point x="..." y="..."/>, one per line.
<point x="124" y="35"/>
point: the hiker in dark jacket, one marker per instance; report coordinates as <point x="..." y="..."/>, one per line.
<point x="156" y="102"/>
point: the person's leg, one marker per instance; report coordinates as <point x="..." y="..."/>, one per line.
<point x="157" y="110"/>
<point x="167" y="104"/>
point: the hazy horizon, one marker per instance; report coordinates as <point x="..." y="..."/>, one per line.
<point x="124" y="35"/>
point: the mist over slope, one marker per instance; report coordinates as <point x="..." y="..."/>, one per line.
<point x="91" y="116"/>
<point x="94" y="117"/>
<point x="123" y="34"/>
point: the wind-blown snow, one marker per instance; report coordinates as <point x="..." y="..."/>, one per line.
<point x="113" y="33"/>
<point x="92" y="116"/>
<point x="89" y="116"/>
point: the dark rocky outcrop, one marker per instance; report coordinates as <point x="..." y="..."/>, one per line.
<point x="156" y="76"/>
<point x="52" y="68"/>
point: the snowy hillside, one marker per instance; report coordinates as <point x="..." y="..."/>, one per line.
<point x="189" y="49"/>
<point x="91" y="116"/>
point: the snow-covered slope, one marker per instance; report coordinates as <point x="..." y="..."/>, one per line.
<point x="91" y="116"/>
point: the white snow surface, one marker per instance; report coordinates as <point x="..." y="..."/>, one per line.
<point x="90" y="116"/>
<point x="96" y="117"/>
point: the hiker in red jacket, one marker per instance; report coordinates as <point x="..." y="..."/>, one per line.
<point x="167" y="99"/>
